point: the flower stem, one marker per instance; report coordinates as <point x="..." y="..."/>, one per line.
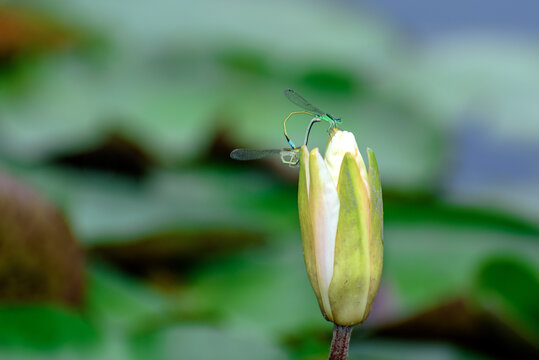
<point x="340" y="342"/>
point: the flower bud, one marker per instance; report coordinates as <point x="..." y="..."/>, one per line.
<point x="341" y="219"/>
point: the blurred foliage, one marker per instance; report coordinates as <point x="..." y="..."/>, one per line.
<point x="123" y="116"/>
<point x="42" y="327"/>
<point x="31" y="267"/>
<point x="503" y="287"/>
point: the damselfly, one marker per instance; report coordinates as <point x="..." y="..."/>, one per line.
<point x="312" y="110"/>
<point x="288" y="156"/>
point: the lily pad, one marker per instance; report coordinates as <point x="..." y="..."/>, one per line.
<point x="32" y="230"/>
<point x="203" y="343"/>
<point x="508" y="287"/>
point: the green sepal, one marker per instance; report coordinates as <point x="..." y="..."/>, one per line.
<point x="376" y="227"/>
<point x="349" y="288"/>
<point x="305" y="223"/>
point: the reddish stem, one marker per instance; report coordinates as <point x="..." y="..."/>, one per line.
<point x="340" y="342"/>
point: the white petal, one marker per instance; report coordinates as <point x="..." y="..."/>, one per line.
<point x="325" y="217"/>
<point x="341" y="143"/>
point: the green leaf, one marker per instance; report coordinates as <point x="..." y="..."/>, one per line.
<point x="451" y="253"/>
<point x="203" y="343"/>
<point x="115" y="300"/>
<point x="509" y="287"/>
<point x="266" y="290"/>
<point x="43" y="327"/>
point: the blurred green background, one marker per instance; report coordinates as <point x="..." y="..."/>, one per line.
<point x="126" y="232"/>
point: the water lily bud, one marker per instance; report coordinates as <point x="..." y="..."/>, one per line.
<point x="341" y="219"/>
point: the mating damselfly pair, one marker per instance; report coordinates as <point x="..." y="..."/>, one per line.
<point x="290" y="156"/>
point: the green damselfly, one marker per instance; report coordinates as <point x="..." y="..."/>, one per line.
<point x="312" y="110"/>
<point x="289" y="156"/>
